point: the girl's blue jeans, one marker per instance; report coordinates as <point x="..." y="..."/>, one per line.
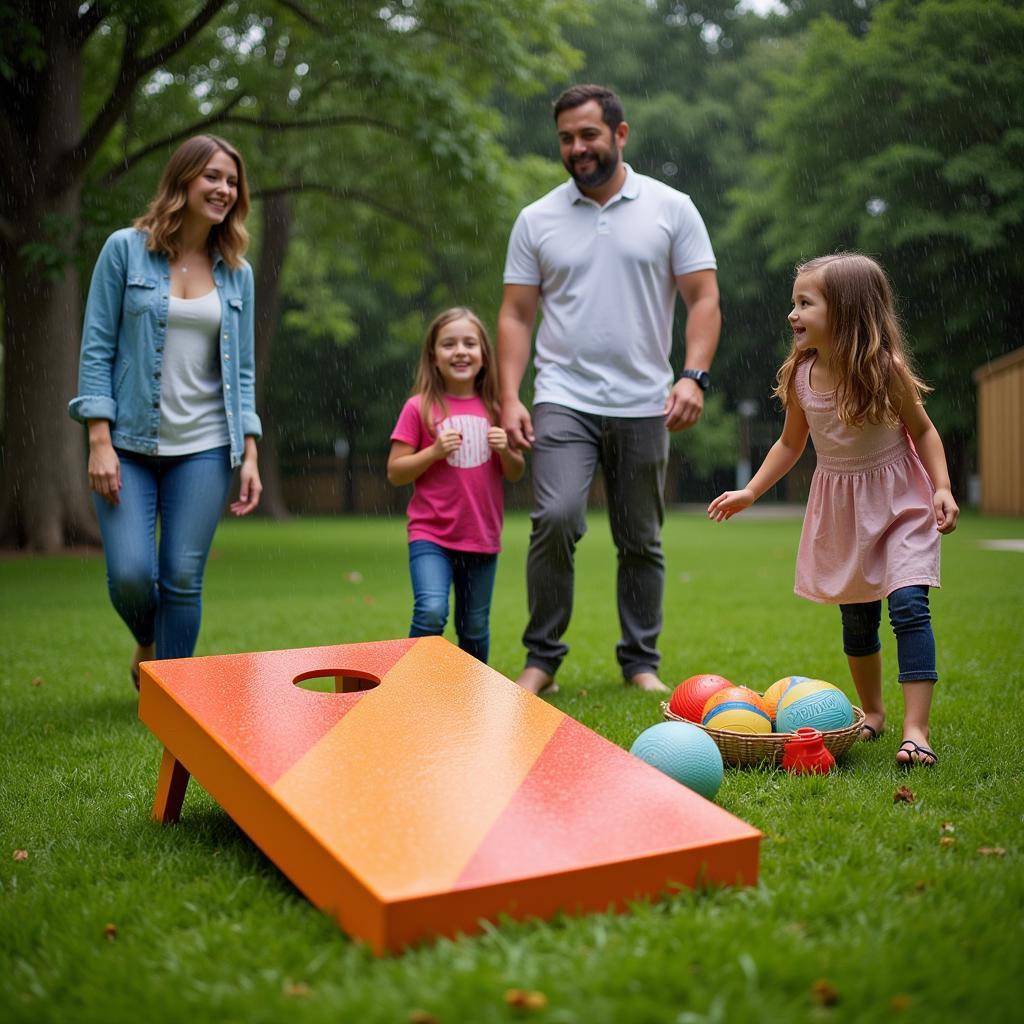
<point x="157" y="589"/>
<point x="911" y="622"/>
<point x="434" y="569"/>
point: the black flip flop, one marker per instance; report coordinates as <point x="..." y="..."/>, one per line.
<point x="911" y="748"/>
<point x="871" y="729"/>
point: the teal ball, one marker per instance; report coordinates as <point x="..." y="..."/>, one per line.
<point x="685" y="753"/>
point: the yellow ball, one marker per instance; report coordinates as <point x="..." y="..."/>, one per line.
<point x="737" y="709"/>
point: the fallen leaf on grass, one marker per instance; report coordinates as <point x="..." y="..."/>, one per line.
<point x="903" y="795"/>
<point x="825" y="993"/>
<point x="991" y="851"/>
<point x="583" y="693"/>
<point x="947" y="827"/>
<point x="901" y="1002"/>
<point x="296" y="989"/>
<point x="110" y="931"/>
<point x="422" y="1017"/>
<point x="921" y="884"/>
<point x="523" y="999"/>
<point x="947" y="841"/>
<point x="38" y="681"/>
<point x="369" y="599"/>
<point x="21" y="854"/>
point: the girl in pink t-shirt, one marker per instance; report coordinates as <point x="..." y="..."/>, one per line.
<point x="447" y="446"/>
<point x="880" y="494"/>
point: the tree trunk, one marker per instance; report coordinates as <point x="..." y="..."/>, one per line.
<point x="45" y="499"/>
<point x="276" y="228"/>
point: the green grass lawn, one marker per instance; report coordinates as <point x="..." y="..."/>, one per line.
<point x="867" y="909"/>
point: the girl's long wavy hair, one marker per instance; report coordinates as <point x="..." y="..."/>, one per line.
<point x="429" y="383"/>
<point x="869" y="357"/>
<point x="166" y="212"/>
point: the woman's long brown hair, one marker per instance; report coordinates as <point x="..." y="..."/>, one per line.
<point x="870" y="361"/>
<point x="166" y="212"/>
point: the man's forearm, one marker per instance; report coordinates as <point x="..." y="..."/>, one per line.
<point x="703" y="327"/>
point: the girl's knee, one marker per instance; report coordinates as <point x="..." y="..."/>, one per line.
<point x="908" y="609"/>
<point x="429" y="616"/>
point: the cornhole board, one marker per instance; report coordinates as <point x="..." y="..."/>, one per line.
<point x="428" y="793"/>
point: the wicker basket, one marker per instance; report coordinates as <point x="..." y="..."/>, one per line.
<point x="742" y="749"/>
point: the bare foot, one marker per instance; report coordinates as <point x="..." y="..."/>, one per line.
<point x="537" y="681"/>
<point x="141" y="654"/>
<point x="647" y="681"/>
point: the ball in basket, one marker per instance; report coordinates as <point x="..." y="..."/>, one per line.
<point x="737" y="709"/>
<point x="776" y="690"/>
<point x="815" y="704"/>
<point x="684" y="753"/>
<point x="690" y="696"/>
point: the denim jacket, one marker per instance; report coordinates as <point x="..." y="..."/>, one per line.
<point x="123" y="345"/>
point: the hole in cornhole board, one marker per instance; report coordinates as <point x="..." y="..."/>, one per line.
<point x="335" y="680"/>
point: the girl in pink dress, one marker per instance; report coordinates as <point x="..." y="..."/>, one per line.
<point x="446" y="444"/>
<point x="880" y="495"/>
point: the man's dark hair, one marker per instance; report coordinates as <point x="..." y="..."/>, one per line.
<point x="576" y="95"/>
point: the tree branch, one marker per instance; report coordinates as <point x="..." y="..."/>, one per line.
<point x="345" y="195"/>
<point x="304" y="15"/>
<point x="197" y="128"/>
<point x="224" y="116"/>
<point x="88" y="22"/>
<point x="72" y="164"/>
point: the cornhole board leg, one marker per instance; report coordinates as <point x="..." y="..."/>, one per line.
<point x="170" y="789"/>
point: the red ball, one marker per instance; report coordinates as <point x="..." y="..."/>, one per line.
<point x="690" y="696"/>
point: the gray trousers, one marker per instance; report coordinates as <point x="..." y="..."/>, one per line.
<point x="633" y="453"/>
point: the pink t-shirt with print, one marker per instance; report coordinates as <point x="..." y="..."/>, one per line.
<point x="459" y="501"/>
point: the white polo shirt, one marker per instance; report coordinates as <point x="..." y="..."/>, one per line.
<point x="607" y="286"/>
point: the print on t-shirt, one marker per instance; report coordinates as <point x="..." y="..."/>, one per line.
<point x="474" y="450"/>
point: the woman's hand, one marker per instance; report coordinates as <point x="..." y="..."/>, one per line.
<point x="251" y="486"/>
<point x="726" y="505"/>
<point x="104" y="465"/>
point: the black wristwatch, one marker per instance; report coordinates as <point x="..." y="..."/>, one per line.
<point x="702" y="377"/>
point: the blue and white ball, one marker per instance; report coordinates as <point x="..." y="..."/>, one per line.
<point x="814" y="704"/>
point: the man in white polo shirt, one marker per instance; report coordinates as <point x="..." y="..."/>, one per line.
<point x="604" y="255"/>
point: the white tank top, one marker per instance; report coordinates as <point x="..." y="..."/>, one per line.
<point x="192" y="416"/>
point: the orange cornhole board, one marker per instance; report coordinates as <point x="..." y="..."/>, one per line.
<point x="429" y="792"/>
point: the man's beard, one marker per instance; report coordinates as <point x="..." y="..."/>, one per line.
<point x="605" y="166"/>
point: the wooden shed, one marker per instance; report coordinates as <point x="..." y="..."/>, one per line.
<point x="1001" y="434"/>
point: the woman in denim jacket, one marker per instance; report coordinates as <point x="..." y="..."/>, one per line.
<point x="166" y="388"/>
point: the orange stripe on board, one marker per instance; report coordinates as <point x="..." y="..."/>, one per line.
<point x="588" y="802"/>
<point x="408" y="784"/>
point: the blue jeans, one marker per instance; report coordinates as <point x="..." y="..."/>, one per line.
<point x="911" y="622"/>
<point x="433" y="570"/>
<point x="158" y="591"/>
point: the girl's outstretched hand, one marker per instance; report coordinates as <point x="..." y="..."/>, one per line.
<point x="947" y="512"/>
<point x="726" y="505"/>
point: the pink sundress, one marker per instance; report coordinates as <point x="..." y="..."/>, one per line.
<point x="869" y="527"/>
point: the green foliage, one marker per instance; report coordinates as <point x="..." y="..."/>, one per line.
<point x="712" y="443"/>
<point x="907" y="142"/>
<point x="854" y="890"/>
